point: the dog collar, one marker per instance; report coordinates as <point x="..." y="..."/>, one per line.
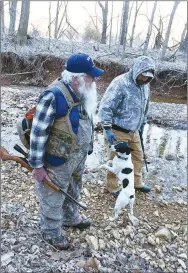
<point x="122" y="157"/>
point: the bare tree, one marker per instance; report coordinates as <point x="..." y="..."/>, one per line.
<point x="49" y="25"/>
<point x="126" y="25"/>
<point x="165" y="44"/>
<point x="184" y="40"/>
<point x="104" y="21"/>
<point x="159" y="35"/>
<point x="124" y="20"/>
<point x="130" y="12"/>
<point x="12" y="12"/>
<point x="150" y="28"/>
<point x="110" y="38"/>
<point x="117" y="29"/>
<point x="23" y="24"/>
<point x="134" y="24"/>
<point x="90" y="33"/>
<point x="58" y="21"/>
<point x="2" y="17"/>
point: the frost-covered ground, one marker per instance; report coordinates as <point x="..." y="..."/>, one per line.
<point x="107" y="246"/>
<point x="64" y="49"/>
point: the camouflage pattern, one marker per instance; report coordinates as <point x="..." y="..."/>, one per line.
<point x="55" y="208"/>
<point x="125" y="103"/>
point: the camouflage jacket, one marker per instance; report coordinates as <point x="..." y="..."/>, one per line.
<point x="125" y="103"/>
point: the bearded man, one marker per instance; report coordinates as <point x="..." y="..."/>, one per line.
<point x="61" y="137"/>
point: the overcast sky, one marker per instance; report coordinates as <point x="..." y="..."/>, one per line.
<point x="78" y="16"/>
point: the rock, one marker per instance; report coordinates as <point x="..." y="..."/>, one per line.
<point x="161" y="264"/>
<point x="151" y="241"/>
<point x="116" y="234"/>
<point x="92" y="262"/>
<point x="86" y="192"/>
<point x="93" y="242"/>
<point x="180" y="270"/>
<point x="101" y="244"/>
<point x="183" y="256"/>
<point x="181" y="262"/>
<point x="170" y="157"/>
<point x="158" y="189"/>
<point x="156" y="213"/>
<point x="163" y="233"/>
<point x="143" y="255"/>
<point x="133" y="220"/>
<point x="34" y="249"/>
<point x="127" y="231"/>
<point x="160" y="252"/>
<point x="6" y="258"/>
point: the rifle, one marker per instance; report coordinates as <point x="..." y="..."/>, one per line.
<point x="4" y="155"/>
<point x="144" y="155"/>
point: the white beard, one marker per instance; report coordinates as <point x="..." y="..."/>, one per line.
<point x="89" y="97"/>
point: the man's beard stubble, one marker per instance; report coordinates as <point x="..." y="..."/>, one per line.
<point x="89" y="97"/>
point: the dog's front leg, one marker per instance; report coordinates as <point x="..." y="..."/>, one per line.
<point x="110" y="163"/>
<point x="110" y="169"/>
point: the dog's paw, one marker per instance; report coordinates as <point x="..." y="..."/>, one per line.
<point x="133" y="220"/>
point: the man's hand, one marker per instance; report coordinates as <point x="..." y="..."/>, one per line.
<point x="39" y="174"/>
<point x="110" y="136"/>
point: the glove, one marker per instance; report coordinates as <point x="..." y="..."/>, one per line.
<point x="141" y="130"/>
<point x="39" y="174"/>
<point x="110" y="136"/>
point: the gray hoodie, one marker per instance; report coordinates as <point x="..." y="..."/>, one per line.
<point x="125" y="103"/>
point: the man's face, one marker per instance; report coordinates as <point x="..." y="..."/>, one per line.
<point x="142" y="79"/>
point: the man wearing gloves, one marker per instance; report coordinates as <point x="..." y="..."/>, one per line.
<point x="123" y="113"/>
<point x="61" y="137"/>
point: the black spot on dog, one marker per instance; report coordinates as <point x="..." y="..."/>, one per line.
<point x="127" y="170"/>
<point x="125" y="182"/>
<point x="131" y="196"/>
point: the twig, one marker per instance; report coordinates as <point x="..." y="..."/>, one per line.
<point x="5" y="75"/>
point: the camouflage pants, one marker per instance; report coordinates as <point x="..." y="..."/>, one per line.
<point x="55" y="208"/>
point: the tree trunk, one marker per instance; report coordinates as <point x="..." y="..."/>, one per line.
<point x="49" y="26"/>
<point x="12" y="12"/>
<point x="56" y="20"/>
<point x="111" y="26"/>
<point x="184" y="40"/>
<point x="150" y="28"/>
<point x="134" y="24"/>
<point x="23" y="24"/>
<point x="124" y="20"/>
<point x="165" y="44"/>
<point x="104" y="21"/>
<point x="117" y="30"/>
<point x="2" y="17"/>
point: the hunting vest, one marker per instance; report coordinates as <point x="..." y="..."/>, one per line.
<point x="63" y="134"/>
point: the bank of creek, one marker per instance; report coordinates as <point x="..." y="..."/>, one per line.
<point x="154" y="244"/>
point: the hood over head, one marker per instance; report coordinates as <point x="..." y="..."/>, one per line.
<point x="141" y="65"/>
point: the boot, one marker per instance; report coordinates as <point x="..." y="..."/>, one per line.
<point x="144" y="189"/>
<point x="61" y="243"/>
<point x="85" y="223"/>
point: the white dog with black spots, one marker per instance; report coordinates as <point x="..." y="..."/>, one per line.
<point x="122" y="166"/>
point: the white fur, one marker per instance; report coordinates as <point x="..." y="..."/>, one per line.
<point x="118" y="165"/>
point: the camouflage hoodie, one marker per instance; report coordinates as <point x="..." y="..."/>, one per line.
<point x="125" y="103"/>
